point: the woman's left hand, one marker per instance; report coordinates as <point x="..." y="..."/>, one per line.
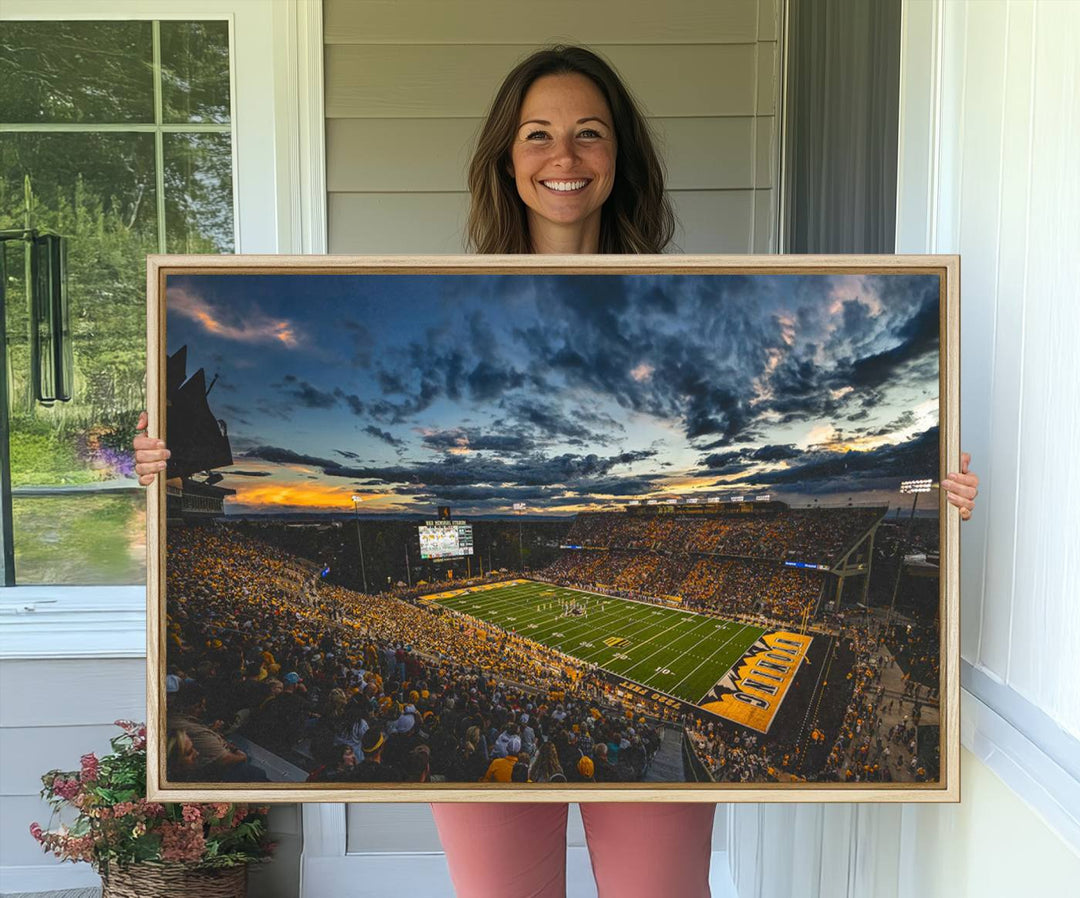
<point x="961" y="488"/>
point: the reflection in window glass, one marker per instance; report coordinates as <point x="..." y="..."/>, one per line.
<point x="198" y="193"/>
<point x="56" y="72"/>
<point x="79" y="514"/>
<point x="82" y="539"/>
<point x="195" y="71"/>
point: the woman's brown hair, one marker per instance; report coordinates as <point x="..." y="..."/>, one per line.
<point x="637" y="216"/>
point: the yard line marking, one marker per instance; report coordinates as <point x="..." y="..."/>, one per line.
<point x="704" y="620"/>
<point x="713" y="655"/>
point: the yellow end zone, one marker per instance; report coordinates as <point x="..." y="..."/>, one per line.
<point x="753" y="690"/>
<point x="453" y="593"/>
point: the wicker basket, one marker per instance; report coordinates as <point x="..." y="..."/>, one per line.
<point x="174" y="881"/>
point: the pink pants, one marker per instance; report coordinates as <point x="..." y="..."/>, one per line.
<point x="638" y="849"/>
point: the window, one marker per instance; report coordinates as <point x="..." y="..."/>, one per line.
<point x="118" y="136"/>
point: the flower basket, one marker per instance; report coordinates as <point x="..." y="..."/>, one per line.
<point x="146" y="849"/>
<point x="174" y="881"/>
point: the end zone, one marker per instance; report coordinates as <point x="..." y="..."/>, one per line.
<point x="751" y="692"/>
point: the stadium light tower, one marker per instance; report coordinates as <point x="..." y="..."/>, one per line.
<point x="519" y="510"/>
<point x="356" y="513"/>
<point x="907" y="487"/>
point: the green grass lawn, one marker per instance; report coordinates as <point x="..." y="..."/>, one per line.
<point x="675" y="652"/>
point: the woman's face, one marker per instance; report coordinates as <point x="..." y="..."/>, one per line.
<point x="563" y="154"/>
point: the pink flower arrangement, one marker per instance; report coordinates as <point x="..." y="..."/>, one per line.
<point x="116" y="824"/>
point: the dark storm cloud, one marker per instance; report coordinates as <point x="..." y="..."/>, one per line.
<point x="721" y="459"/>
<point x="884" y="467"/>
<point x="492" y="496"/>
<point x="490" y="381"/>
<point x="775" y="453"/>
<point x="351" y="401"/>
<point x="306" y="394"/>
<point x="446" y="440"/>
<point x="454" y="470"/>
<point x="446" y="362"/>
<point x="739" y="459"/>
<point x="344" y="453"/>
<point x="310" y="396"/>
<point x="248" y="473"/>
<point x="902" y="422"/>
<point x="615" y="486"/>
<point x="289" y="457"/>
<point x="549" y="422"/>
<point x="383" y="435"/>
<point x="687" y="350"/>
<point x="917" y="337"/>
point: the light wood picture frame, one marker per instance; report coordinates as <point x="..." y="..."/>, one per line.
<point x="478" y="518"/>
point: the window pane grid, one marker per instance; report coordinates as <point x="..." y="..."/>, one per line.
<point x="91" y="530"/>
<point x="159" y="138"/>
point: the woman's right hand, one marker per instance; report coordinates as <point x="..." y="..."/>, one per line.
<point x="150" y="453"/>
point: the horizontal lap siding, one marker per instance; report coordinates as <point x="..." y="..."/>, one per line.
<point x="432" y="154"/>
<point x="524" y="22"/>
<point x="408" y="84"/>
<point x="460" y="80"/>
<point x="52" y="713"/>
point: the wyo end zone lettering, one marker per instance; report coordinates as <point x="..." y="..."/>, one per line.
<point x="753" y="690"/>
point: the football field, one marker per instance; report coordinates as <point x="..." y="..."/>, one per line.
<point x="676" y="652"/>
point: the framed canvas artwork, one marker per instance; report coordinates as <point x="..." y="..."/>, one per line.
<point x="587" y="528"/>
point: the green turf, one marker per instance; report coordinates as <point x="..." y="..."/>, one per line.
<point x="675" y="652"/>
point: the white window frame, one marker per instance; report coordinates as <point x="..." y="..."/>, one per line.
<point x="279" y="178"/>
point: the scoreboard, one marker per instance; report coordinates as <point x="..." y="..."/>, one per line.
<point x="445" y="539"/>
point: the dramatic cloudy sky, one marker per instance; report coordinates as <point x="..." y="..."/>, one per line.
<point x="564" y="392"/>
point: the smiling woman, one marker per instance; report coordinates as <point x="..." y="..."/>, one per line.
<point x="563" y="162"/>
<point x="563" y="116"/>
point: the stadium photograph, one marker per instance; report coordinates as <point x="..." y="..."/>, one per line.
<point x="527" y="529"/>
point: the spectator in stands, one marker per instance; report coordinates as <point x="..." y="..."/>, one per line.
<point x="546" y="764"/>
<point x="417" y="767"/>
<point x="340" y="764"/>
<point x="182" y="760"/>
<point x="404" y="736"/>
<point x="501" y="768"/>
<point x="216" y="760"/>
<point x="606" y="772"/>
<point x="373" y="770"/>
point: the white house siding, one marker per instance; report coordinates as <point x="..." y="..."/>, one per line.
<point x="52" y="711"/>
<point x="408" y="83"/>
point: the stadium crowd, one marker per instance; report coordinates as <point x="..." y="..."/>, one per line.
<point x="353" y="687"/>
<point x="812" y="535"/>
<point x="707" y="584"/>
